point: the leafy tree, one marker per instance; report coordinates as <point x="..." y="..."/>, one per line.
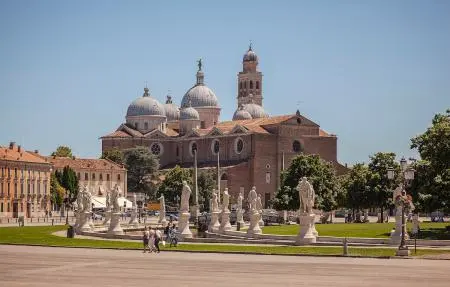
<point x="431" y="186"/>
<point x="206" y="182"/>
<point x="62" y="151"/>
<point x="115" y="155"/>
<point x="57" y="192"/>
<point x="321" y="175"/>
<point x="142" y="167"/>
<point x="356" y="187"/>
<point x="380" y="187"/>
<point x="172" y="184"/>
<point x="69" y="181"/>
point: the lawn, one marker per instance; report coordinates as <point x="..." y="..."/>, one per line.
<point x="369" y="230"/>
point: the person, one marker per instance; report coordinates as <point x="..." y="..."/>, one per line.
<point x="172" y="236"/>
<point x="158" y="236"/>
<point x="145" y="239"/>
<point x="166" y="232"/>
<point x="152" y="240"/>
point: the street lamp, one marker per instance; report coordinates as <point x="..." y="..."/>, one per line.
<point x="67" y="208"/>
<point x="407" y="176"/>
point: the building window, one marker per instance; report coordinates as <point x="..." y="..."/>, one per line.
<point x="101" y="176"/>
<point x="146" y="126"/>
<point x="192" y="148"/>
<point x="296" y="146"/>
<point x="267" y="177"/>
<point x="156" y="148"/>
<point x="202" y="125"/>
<point x="21" y="187"/>
<point x="9" y="188"/>
<point x="86" y="176"/>
<point x="93" y="176"/>
<point x="251" y="84"/>
<point x="1" y="207"/>
<point x="238" y="145"/>
<point x="15" y="172"/>
<point x="45" y="187"/>
<point x="78" y="175"/>
<point x="257" y="85"/>
<point x="177" y="151"/>
<point x="118" y="177"/>
<point x="107" y="177"/>
<point x="21" y="207"/>
<point x="215" y="146"/>
<point x="8" y="207"/>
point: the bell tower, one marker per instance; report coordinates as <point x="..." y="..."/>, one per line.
<point x="250" y="79"/>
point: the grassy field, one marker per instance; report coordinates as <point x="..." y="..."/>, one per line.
<point x="371" y="230"/>
<point x="42" y="235"/>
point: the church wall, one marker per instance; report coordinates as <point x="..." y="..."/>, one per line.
<point x="238" y="177"/>
<point x="208" y="116"/>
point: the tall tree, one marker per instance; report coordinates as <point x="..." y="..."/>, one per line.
<point x="432" y="181"/>
<point x="172" y="184"/>
<point x="322" y="176"/>
<point x="115" y="155"/>
<point x="62" y="151"/>
<point x="57" y="192"/>
<point x="69" y="181"/>
<point x="356" y="187"/>
<point x="142" y="167"/>
<point x="380" y="186"/>
<point x="206" y="182"/>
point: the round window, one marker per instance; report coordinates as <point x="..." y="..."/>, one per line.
<point x="215" y="146"/>
<point x="156" y="148"/>
<point x="239" y="145"/>
<point x="296" y="146"/>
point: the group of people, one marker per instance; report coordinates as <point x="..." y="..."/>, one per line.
<point x="152" y="237"/>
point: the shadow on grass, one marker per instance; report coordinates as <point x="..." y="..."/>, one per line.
<point x="434" y="234"/>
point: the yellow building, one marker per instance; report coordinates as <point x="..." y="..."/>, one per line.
<point x="24" y="183"/>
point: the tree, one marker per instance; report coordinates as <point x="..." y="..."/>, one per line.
<point x="321" y="175"/>
<point x="62" y="151"/>
<point x="172" y="184"/>
<point x="357" y="189"/>
<point x="206" y="182"/>
<point x="69" y="181"/>
<point x="57" y="192"/>
<point x="380" y="187"/>
<point x="115" y="155"/>
<point x="142" y="167"/>
<point x="431" y="186"/>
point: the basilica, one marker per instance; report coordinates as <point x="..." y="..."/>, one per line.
<point x="252" y="149"/>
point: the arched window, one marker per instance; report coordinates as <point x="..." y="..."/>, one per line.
<point x="296" y="146"/>
<point x="193" y="147"/>
<point x="257" y="85"/>
<point x="238" y="145"/>
<point x="251" y="84"/>
<point x="146" y="126"/>
<point x="156" y="148"/>
<point x="224" y="177"/>
<point x="215" y="146"/>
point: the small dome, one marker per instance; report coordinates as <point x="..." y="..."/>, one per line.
<point x="172" y="110"/>
<point x="146" y="106"/>
<point x="255" y="111"/>
<point x="189" y="113"/>
<point x="250" y="55"/>
<point x="241" y="114"/>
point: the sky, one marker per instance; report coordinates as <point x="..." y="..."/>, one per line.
<point x="372" y="72"/>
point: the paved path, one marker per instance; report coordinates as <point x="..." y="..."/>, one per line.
<point x="46" y="266"/>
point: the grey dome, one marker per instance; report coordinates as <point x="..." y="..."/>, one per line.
<point x="146" y="106"/>
<point x="172" y="110"/>
<point x="189" y="113"/>
<point x="256" y="111"/>
<point x="250" y="55"/>
<point x="200" y="95"/>
<point x="241" y="114"/>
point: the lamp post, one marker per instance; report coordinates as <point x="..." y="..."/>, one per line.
<point x="196" y="208"/>
<point x="407" y="175"/>
<point x="67" y="208"/>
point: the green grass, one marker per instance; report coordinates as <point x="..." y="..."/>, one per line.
<point x="369" y="230"/>
<point x="42" y="235"/>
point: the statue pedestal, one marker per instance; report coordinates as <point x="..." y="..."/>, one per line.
<point x="225" y="223"/>
<point x="162" y="218"/>
<point x="85" y="221"/>
<point x="133" y="220"/>
<point x="396" y="235"/>
<point x="402" y="252"/>
<point x="214" y="224"/>
<point x="77" y="221"/>
<point x="183" y="225"/>
<point x="254" y="224"/>
<point x="107" y="220"/>
<point x="114" y="226"/>
<point x="306" y="234"/>
<point x="261" y="221"/>
<point x="240" y="217"/>
<point x="313" y="225"/>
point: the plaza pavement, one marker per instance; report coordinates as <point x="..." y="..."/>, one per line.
<point x="46" y="266"/>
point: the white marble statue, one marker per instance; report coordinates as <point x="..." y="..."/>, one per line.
<point x="306" y="196"/>
<point x="397" y="192"/>
<point x="87" y="200"/>
<point x="80" y="199"/>
<point x="252" y="198"/>
<point x="259" y="203"/>
<point x="225" y="200"/>
<point x="215" y="201"/>
<point x="239" y="201"/>
<point x="185" y="195"/>
<point x="115" y="194"/>
<point x="134" y="205"/>
<point x="108" y="201"/>
<point x="162" y="209"/>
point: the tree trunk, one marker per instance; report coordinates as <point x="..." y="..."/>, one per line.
<point x="382" y="217"/>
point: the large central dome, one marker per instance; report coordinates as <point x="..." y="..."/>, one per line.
<point x="145" y="106"/>
<point x="200" y="95"/>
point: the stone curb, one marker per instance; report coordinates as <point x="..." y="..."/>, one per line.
<point x="231" y="252"/>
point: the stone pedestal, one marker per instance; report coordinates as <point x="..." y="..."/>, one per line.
<point x="261" y="221"/>
<point x="134" y="220"/>
<point x="114" y="226"/>
<point x="225" y="223"/>
<point x="402" y="252"/>
<point x="77" y="221"/>
<point x="85" y="222"/>
<point x="240" y="217"/>
<point x="306" y="235"/>
<point x="254" y="224"/>
<point x="214" y="224"/>
<point x="313" y="226"/>
<point x="162" y="219"/>
<point x="107" y="220"/>
<point x="396" y="234"/>
<point x="183" y="225"/>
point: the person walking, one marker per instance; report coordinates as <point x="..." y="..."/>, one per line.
<point x="145" y="239"/>
<point x="152" y="240"/>
<point x="158" y="237"/>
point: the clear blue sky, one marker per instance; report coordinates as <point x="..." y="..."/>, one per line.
<point x="372" y="72"/>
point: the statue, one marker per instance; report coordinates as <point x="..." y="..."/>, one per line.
<point x="225" y="200"/>
<point x="87" y="202"/>
<point x="199" y="63"/>
<point x="215" y="201"/>
<point x="306" y="195"/>
<point x="185" y="195"/>
<point x="80" y="199"/>
<point x="115" y="199"/>
<point x="252" y="198"/>
<point x="259" y="203"/>
<point x="239" y="201"/>
<point x="134" y="201"/>
<point x="162" y="209"/>
<point x="397" y="192"/>
<point x="108" y="201"/>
